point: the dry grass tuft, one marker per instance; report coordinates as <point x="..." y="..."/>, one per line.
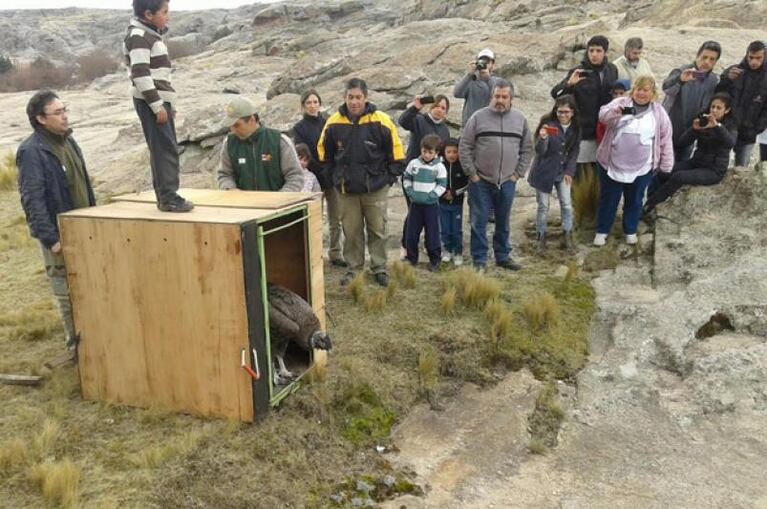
<point x="537" y="446"/>
<point x="572" y="272"/>
<point x="493" y="310"/>
<point x="448" y="302"/>
<point x="376" y="302"/>
<point x="13" y="454"/>
<point x="585" y="195"/>
<point x="404" y="274"/>
<point x="541" y="311"/>
<point x="502" y="325"/>
<point x="391" y="290"/>
<point x="479" y="291"/>
<point x="45" y="441"/>
<point x="9" y="173"/>
<point x="59" y="482"/>
<point x="357" y="287"/>
<point x="428" y="372"/>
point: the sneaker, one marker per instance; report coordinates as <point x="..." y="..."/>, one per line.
<point x="434" y="267"/>
<point x="600" y="239"/>
<point x="457" y="260"/>
<point x="631" y="239"/>
<point x="347" y="278"/>
<point x="446" y="258"/>
<point x="508" y="265"/>
<point x="175" y="204"/>
<point x="402" y="254"/>
<point x="339" y="263"/>
<point x="382" y="278"/>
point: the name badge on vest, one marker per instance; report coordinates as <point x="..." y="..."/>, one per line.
<point x="241" y="160"/>
<point x="266" y="158"/>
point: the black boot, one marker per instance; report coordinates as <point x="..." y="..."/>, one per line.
<point x="567" y="242"/>
<point x="540" y="246"/>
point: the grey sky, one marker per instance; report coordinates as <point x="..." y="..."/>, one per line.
<point x="121" y="4"/>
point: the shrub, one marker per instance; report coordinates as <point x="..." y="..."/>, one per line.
<point x="357" y="287"/>
<point x="58" y="481"/>
<point x="9" y="173"/>
<point x="541" y="311"/>
<point x="404" y="274"/>
<point x="5" y="64"/>
<point x="96" y="64"/>
<point x="375" y="302"/>
<point x="448" y="302"/>
<point x="41" y="73"/>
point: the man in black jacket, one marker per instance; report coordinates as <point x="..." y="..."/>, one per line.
<point x="52" y="179"/>
<point x="747" y="84"/>
<point x="364" y="156"/>
<point x="591" y="84"/>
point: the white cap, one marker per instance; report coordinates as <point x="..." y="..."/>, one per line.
<point x="486" y="53"/>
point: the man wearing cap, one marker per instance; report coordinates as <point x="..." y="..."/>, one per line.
<point x="476" y="87"/>
<point x="255" y="157"/>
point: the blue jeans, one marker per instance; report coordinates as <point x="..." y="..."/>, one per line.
<point x="451" y="226"/>
<point x="565" y="205"/>
<point x="483" y="197"/>
<point x="743" y="153"/>
<point x="610" y="193"/>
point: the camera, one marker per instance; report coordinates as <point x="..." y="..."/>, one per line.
<point x="480" y="64"/>
<point x="628" y="110"/>
<point x="703" y="119"/>
<point x="427" y="99"/>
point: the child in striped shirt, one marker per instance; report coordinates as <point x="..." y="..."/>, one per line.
<point x="146" y="56"/>
<point x="424" y="181"/>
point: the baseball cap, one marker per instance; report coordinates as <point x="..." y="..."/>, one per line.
<point x="486" y="53"/>
<point x="237" y="108"/>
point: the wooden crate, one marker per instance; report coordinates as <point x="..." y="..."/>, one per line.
<point x="167" y="305"/>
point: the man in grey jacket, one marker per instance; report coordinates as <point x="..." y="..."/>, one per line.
<point x="495" y="150"/>
<point x="688" y="91"/>
<point x="476" y="87"/>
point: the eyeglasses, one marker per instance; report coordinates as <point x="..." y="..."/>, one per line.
<point x="57" y="113"/>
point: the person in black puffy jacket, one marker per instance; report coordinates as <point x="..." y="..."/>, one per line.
<point x="715" y="136"/>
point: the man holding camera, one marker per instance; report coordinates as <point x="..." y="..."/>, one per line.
<point x="688" y="91"/>
<point x="476" y="87"/>
<point x="747" y="85"/>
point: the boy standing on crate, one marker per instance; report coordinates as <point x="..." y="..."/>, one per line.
<point x="146" y="56"/>
<point x="424" y="180"/>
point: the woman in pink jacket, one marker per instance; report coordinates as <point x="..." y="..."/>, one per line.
<point x="637" y="143"/>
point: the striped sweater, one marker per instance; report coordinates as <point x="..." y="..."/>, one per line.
<point x="146" y="56"/>
<point x="425" y="182"/>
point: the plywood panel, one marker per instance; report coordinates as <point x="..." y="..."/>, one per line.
<point x="160" y="309"/>
<point x="234" y="198"/>
<point x="149" y="212"/>
<point x="314" y="229"/>
<point x="285" y="254"/>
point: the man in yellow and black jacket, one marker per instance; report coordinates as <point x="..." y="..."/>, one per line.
<point x="362" y="156"/>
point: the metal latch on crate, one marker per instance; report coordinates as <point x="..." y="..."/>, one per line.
<point x="256" y="375"/>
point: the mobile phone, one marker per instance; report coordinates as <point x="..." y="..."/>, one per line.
<point x="628" y="110"/>
<point x="427" y="99"/>
<point x="585" y="71"/>
<point x="703" y="119"/>
<point x="699" y="75"/>
<point x="552" y="131"/>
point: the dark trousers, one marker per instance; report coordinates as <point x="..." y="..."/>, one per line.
<point x="763" y="151"/>
<point x="163" y="150"/>
<point x="451" y="226"/>
<point x="683" y="174"/>
<point x="610" y="192"/>
<point x="421" y="217"/>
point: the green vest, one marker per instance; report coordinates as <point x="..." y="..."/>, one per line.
<point x="256" y="161"/>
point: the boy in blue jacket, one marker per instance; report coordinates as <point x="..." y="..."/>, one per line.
<point x="424" y="181"/>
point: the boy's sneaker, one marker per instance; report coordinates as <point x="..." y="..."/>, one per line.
<point x="457" y="260"/>
<point x="631" y="239"/>
<point x="446" y="258"/>
<point x="600" y="239"/>
<point x="175" y="204"/>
